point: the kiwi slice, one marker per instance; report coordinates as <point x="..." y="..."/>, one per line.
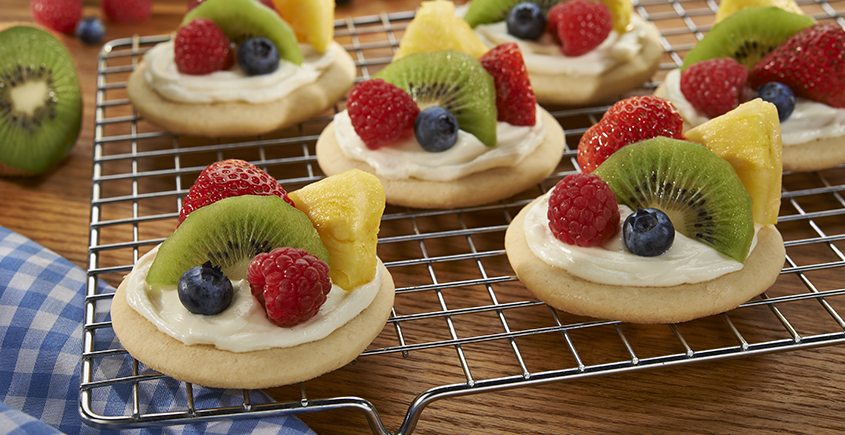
<point x="40" y="101"/>
<point x="453" y="80"/>
<point x="748" y="35"/>
<point x="232" y="231"/>
<point x="244" y="19"/>
<point x="700" y="192"/>
<point x="491" y="11"/>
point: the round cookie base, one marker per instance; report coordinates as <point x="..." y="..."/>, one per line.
<point x="474" y="189"/>
<point x="674" y="304"/>
<point x="256" y="369"/>
<point x="560" y="89"/>
<point x="242" y="118"/>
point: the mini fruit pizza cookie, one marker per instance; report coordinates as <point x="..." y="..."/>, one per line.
<point x="262" y="292"/>
<point x="577" y="51"/>
<point x="211" y="80"/>
<point x="791" y="72"/>
<point x="662" y="231"/>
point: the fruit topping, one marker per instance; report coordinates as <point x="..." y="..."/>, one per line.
<point x="515" y="100"/>
<point x="811" y="63"/>
<point x="453" y="80"/>
<point x="194" y="3"/>
<point x="583" y="211"/>
<point x="648" y="232"/>
<point x="380" y="112"/>
<point x="346" y="210"/>
<point x="729" y="7"/>
<point x="291" y="284"/>
<point x="435" y="27"/>
<point x="90" y="30"/>
<point x="491" y="11"/>
<point x="257" y="56"/>
<point x="228" y="178"/>
<point x="59" y="15"/>
<point x="436" y="129"/>
<point x="702" y="195"/>
<point x="748" y="138"/>
<point x="312" y="21"/>
<point x="780" y="95"/>
<point x="200" y="47"/>
<point x="581" y="25"/>
<point x="630" y="120"/>
<point x="526" y="21"/>
<point x="714" y="86"/>
<point x="229" y="233"/>
<point x="205" y="290"/>
<point x="127" y="11"/>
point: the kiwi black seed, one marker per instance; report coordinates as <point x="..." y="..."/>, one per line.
<point x="701" y="193"/>
<point x="230" y="233"/>
<point x="747" y="35"/>
<point x="40" y="100"/>
<point x="491" y="11"/>
<point x="453" y="80"/>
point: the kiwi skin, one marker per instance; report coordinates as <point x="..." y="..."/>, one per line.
<point x="31" y="145"/>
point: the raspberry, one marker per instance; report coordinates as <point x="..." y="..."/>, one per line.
<point x="714" y="86"/>
<point x="58" y="15"/>
<point x="201" y="47"/>
<point x="515" y="100"/>
<point x="580" y="25"/>
<point x="380" y="112"/>
<point x="291" y="284"/>
<point x="229" y="178"/>
<point x="127" y="11"/>
<point x="583" y="210"/>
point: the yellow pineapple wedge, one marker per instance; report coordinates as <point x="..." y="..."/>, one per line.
<point x="346" y="210"/>
<point x="728" y="7"/>
<point x="311" y="20"/>
<point x="620" y="11"/>
<point x="748" y="137"/>
<point x="435" y="27"/>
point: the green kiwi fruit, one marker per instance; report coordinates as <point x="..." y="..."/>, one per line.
<point x="700" y="192"/>
<point x="40" y="100"/>
<point x="229" y="233"/>
<point x="244" y="19"/>
<point x="747" y="35"/>
<point x="453" y="80"/>
<point x="491" y="11"/>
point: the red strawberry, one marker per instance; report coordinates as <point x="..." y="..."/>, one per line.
<point x="200" y="47"/>
<point x="127" y="11"/>
<point x="380" y="112"/>
<point x="580" y="25"/>
<point x="811" y="62"/>
<point x="628" y="121"/>
<point x="515" y="101"/>
<point x="714" y="86"/>
<point x="229" y="178"/>
<point x="59" y="15"/>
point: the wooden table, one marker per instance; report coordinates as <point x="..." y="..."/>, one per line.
<point x="796" y="392"/>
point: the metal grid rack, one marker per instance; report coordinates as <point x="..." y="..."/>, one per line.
<point x="457" y="300"/>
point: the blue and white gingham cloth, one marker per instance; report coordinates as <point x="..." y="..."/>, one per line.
<point x="41" y="303"/>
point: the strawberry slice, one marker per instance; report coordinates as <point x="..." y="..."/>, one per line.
<point x="515" y="100"/>
<point x="811" y="62"/>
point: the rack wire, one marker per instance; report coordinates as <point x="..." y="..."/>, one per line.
<point x="457" y="300"/>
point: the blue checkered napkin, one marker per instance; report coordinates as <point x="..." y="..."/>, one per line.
<point x="41" y="300"/>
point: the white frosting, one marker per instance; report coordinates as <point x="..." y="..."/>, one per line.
<point x="233" y="84"/>
<point x="243" y="326"/>
<point x="810" y="120"/>
<point x="686" y="262"/>
<point x="408" y="159"/>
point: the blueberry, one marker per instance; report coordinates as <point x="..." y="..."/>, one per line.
<point x="205" y="290"/>
<point x="648" y="232"/>
<point x="526" y="21"/>
<point x="258" y="56"/>
<point x="436" y="129"/>
<point x="780" y="95"/>
<point x="90" y="30"/>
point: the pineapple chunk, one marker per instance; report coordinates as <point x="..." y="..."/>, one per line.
<point x="748" y="137"/>
<point x="311" y="20"/>
<point x="346" y="210"/>
<point x="435" y="27"/>
<point x="729" y="7"/>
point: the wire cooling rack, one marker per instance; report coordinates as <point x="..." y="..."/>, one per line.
<point x="460" y="315"/>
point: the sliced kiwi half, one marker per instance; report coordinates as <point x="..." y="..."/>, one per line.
<point x="453" y="80"/>
<point x="491" y="11"/>
<point x="244" y="19"/>
<point x="40" y="100"/>
<point x="747" y="35"/>
<point x="230" y="233"/>
<point x="700" y="192"/>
